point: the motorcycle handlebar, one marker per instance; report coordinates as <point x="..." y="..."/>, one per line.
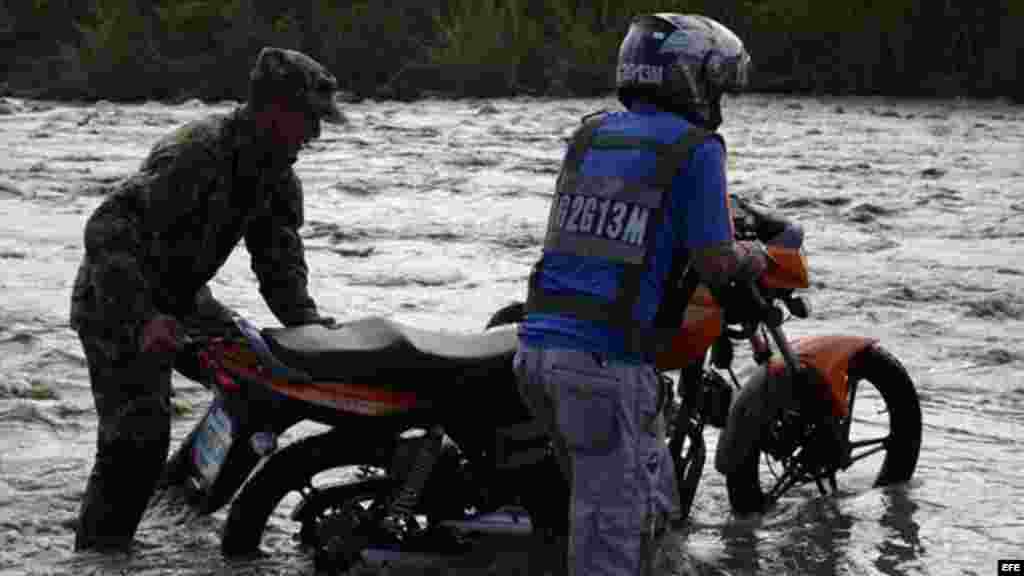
<point x="745" y="305"/>
<point x="766" y="311"/>
<point x="753" y="222"/>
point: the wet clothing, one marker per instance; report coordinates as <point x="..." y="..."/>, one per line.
<point x="150" y="248"/>
<point x="590" y="378"/>
<point x="163" y="234"/>
<point x="610" y="430"/>
<point x="132" y="393"/>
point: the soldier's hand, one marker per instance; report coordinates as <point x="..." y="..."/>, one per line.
<point x="162" y="333"/>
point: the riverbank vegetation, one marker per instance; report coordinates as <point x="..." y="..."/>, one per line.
<point x="175" y="49"/>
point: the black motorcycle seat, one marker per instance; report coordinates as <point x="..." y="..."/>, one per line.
<point x="377" y="349"/>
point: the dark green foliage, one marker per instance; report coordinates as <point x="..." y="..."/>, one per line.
<point x="125" y="49"/>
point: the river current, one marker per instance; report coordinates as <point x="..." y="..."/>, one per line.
<point x="432" y="212"/>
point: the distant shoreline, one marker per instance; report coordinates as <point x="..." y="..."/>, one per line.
<point x="125" y="50"/>
<point x="427" y="82"/>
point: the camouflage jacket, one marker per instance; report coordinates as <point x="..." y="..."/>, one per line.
<point x="154" y="243"/>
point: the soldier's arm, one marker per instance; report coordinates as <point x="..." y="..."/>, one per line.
<point x="278" y="255"/>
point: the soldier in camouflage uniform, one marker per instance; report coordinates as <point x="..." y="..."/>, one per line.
<point x="155" y="242"/>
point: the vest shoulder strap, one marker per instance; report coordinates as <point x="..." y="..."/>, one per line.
<point x="580" y="142"/>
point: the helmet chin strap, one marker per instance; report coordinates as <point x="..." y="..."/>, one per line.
<point x="714" y="114"/>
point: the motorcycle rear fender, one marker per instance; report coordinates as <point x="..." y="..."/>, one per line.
<point x="768" y="389"/>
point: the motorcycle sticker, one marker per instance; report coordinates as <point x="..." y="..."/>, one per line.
<point x="212" y="443"/>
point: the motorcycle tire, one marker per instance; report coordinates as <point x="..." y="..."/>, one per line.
<point x="873" y="365"/>
<point x="686" y="441"/>
<point x="288" y="470"/>
<point x="688" y="456"/>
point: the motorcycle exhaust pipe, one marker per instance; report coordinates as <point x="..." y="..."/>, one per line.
<point x="502" y="522"/>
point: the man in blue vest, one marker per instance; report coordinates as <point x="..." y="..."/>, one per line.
<point x="640" y="200"/>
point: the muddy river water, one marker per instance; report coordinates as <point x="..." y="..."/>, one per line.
<point x="432" y="212"/>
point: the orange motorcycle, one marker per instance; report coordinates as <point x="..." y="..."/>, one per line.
<point x="811" y="407"/>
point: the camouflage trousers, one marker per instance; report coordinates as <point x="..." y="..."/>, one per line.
<point x="132" y="395"/>
<point x="608" y="427"/>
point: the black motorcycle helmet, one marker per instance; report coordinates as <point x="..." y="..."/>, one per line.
<point x="681" y="63"/>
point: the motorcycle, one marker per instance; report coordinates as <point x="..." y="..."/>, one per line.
<point x="428" y="447"/>
<point x="424" y="446"/>
<point x="791" y="422"/>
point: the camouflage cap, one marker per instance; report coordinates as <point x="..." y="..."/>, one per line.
<point x="292" y="74"/>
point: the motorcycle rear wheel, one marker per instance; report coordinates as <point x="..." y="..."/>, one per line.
<point x="290" y="469"/>
<point x="894" y="391"/>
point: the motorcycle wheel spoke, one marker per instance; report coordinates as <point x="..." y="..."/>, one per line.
<point x="848" y="421"/>
<point x="872" y="442"/>
<point x="873" y="446"/>
<point x="869" y="446"/>
<point x="790" y="477"/>
<point x="821" y="486"/>
<point x="786" y="482"/>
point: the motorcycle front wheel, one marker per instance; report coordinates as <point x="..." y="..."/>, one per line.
<point x="883" y="430"/>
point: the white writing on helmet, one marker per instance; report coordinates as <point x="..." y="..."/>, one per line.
<point x="640" y="73"/>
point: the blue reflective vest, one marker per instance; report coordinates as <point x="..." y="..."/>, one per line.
<point x="636" y="192"/>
